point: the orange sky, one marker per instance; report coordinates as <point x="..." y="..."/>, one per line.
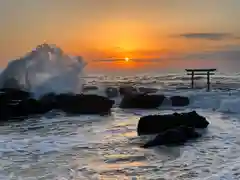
<point x="108" y="29"/>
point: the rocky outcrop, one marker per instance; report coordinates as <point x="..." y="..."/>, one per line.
<point x="89" y="88"/>
<point x="17" y="104"/>
<point x="147" y="90"/>
<point x="127" y="90"/>
<point x="173" y="137"/>
<point x="141" y="101"/>
<point x="11" y="94"/>
<point x="83" y="104"/>
<point x="179" y="101"/>
<point x="154" y="124"/>
<point x="111" y="92"/>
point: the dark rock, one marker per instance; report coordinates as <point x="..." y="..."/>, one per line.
<point x="84" y="104"/>
<point x="142" y="101"/>
<point x="89" y="88"/>
<point x="69" y="103"/>
<point x="147" y="90"/>
<point x="154" y="124"/>
<point x="111" y="92"/>
<point x="11" y="94"/>
<point x="177" y="136"/>
<point x="22" y="109"/>
<point x="33" y="106"/>
<point x="49" y="101"/>
<point x="9" y="102"/>
<point x="127" y="90"/>
<point x="179" y="101"/>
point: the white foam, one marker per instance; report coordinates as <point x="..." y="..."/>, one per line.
<point x="230" y="105"/>
<point x="45" y="69"/>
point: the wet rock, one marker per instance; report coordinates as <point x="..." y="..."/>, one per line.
<point x="84" y="104"/>
<point x="179" y="101"/>
<point x="89" y="88"/>
<point x="154" y="124"/>
<point x="141" y="101"/>
<point x="147" y="90"/>
<point x="173" y="137"/>
<point x="22" y="109"/>
<point x="111" y="92"/>
<point x="127" y="90"/>
<point x="11" y="94"/>
<point x="32" y="107"/>
<point x="49" y="98"/>
<point x="69" y="103"/>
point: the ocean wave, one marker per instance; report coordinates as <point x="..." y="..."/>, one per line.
<point x="45" y="69"/>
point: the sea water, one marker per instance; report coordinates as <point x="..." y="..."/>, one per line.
<point x="60" y="147"/>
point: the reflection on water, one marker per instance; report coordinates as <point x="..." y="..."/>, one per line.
<point x="93" y="147"/>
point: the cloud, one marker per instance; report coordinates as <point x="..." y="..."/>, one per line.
<point x="107" y="60"/>
<point x="222" y="53"/>
<point x="134" y="60"/>
<point x="208" y="36"/>
<point x="227" y="55"/>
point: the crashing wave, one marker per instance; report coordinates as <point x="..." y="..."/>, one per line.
<point x="45" y="69"/>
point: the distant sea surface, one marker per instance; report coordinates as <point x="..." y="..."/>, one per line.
<point x="57" y="147"/>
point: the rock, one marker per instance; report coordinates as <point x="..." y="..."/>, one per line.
<point x="154" y="124"/>
<point x="49" y="100"/>
<point x="84" y="104"/>
<point x="127" y="90"/>
<point x="11" y="94"/>
<point x="23" y="109"/>
<point x="176" y="136"/>
<point x="89" y="88"/>
<point x="142" y="101"/>
<point x="147" y="90"/>
<point x="180" y="101"/>
<point x="69" y="103"/>
<point x="111" y="92"/>
<point x="9" y="102"/>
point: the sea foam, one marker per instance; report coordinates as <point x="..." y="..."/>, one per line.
<point x="45" y="69"/>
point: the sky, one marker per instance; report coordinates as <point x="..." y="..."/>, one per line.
<point x="153" y="34"/>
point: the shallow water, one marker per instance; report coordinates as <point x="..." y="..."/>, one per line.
<point x="92" y="147"/>
<point x="96" y="147"/>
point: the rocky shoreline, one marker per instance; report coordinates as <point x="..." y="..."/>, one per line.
<point x="172" y="129"/>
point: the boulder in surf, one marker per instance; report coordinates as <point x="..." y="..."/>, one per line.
<point x="179" y="101"/>
<point x="127" y="90"/>
<point x="111" y="92"/>
<point x="12" y="94"/>
<point x="83" y="104"/>
<point x="154" y="124"/>
<point x="89" y="88"/>
<point x="141" y="101"/>
<point x="147" y="90"/>
<point x="173" y="137"/>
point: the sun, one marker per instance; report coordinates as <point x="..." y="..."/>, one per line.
<point x="126" y="59"/>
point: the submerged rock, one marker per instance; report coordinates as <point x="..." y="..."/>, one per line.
<point x="180" y="101"/>
<point x="176" y="136"/>
<point x="154" y="124"/>
<point x="111" y="92"/>
<point x="142" y="101"/>
<point x="127" y="90"/>
<point x="89" y="88"/>
<point x="147" y="90"/>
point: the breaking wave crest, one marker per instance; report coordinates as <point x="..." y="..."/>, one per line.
<point x="45" y="69"/>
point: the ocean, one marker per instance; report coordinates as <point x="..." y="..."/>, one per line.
<point x="60" y="147"/>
